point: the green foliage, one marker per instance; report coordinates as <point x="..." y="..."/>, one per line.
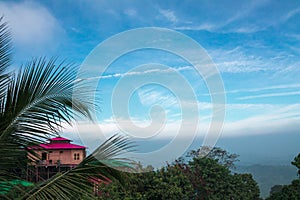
<point x="269" y="175"/>
<point x="212" y="180"/>
<point x="220" y="155"/>
<point x="16" y="189"/>
<point x="200" y="178"/>
<point x="275" y="189"/>
<point x="169" y="183"/>
<point x="166" y="183"/>
<point x="292" y="191"/>
<point x="5" y="57"/>
<point x="296" y="162"/>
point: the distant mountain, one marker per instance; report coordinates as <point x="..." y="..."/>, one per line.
<point x="269" y="175"/>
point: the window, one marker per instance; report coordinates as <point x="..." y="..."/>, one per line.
<point x="44" y="156"/>
<point x="61" y="151"/>
<point x="76" y="156"/>
<point x="50" y="151"/>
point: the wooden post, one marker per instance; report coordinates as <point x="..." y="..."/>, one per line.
<point x="37" y="174"/>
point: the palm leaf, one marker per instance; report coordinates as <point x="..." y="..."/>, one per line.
<point x="5" y="46"/>
<point x="37" y="101"/>
<point x="90" y="172"/>
<point x="5" y="58"/>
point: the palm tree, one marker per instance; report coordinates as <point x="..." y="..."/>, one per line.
<point x="34" y="103"/>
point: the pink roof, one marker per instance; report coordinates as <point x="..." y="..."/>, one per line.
<point x="56" y="144"/>
<point x="58" y="139"/>
<point x="61" y="146"/>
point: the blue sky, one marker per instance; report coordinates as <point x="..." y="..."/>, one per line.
<point x="254" y="44"/>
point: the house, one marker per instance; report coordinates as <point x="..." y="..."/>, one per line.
<point x="59" y="151"/>
<point x="57" y="155"/>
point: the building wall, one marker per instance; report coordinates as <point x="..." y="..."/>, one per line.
<point x="65" y="156"/>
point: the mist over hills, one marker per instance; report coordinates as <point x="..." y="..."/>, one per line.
<point x="269" y="175"/>
<point x="267" y="157"/>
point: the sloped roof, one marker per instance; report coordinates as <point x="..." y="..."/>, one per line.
<point x="61" y="146"/>
<point x="56" y="143"/>
<point x="59" y="139"/>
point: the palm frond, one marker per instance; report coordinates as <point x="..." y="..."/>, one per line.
<point x="37" y="102"/>
<point x="5" y="58"/>
<point x="90" y="172"/>
<point x="5" y="46"/>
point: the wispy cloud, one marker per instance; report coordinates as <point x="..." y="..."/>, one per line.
<point x="201" y="27"/>
<point x="243" y="59"/>
<point x="137" y="73"/>
<point x="290" y="14"/>
<point x="219" y="28"/>
<point x="249" y="90"/>
<point x="295" y="36"/>
<point x="229" y="21"/>
<point x="284" y="119"/>
<point x="130" y="12"/>
<point x="169" y="15"/>
<point x="236" y="60"/>
<point x="153" y="96"/>
<point x="270" y="95"/>
<point x="248" y="29"/>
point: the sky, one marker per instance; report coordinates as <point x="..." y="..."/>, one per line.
<point x="254" y="45"/>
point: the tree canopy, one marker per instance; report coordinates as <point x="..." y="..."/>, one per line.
<point x="198" y="178"/>
<point x="292" y="191"/>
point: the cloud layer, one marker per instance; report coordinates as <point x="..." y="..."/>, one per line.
<point x="33" y="27"/>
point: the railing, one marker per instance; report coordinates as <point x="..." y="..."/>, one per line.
<point x="48" y="163"/>
<point x="54" y="163"/>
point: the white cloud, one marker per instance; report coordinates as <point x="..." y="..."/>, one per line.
<point x="277" y="119"/>
<point x="274" y="87"/>
<point x="151" y="97"/>
<point x="284" y="119"/>
<point x="293" y="69"/>
<point x="278" y="94"/>
<point x="242" y="60"/>
<point x="130" y="12"/>
<point x="169" y="15"/>
<point x="290" y="14"/>
<point x="33" y="27"/>
<point x="296" y="36"/>
<point x="247" y="29"/>
<point x="219" y="28"/>
<point x="228" y="22"/>
<point x="201" y="27"/>
<point x="136" y="73"/>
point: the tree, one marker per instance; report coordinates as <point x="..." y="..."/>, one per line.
<point x="275" y="189"/>
<point x="34" y="103"/>
<point x="222" y="156"/>
<point x="166" y="183"/>
<point x="296" y="163"/>
<point x="199" y="178"/>
<point x="291" y="191"/>
<point x="212" y="180"/>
